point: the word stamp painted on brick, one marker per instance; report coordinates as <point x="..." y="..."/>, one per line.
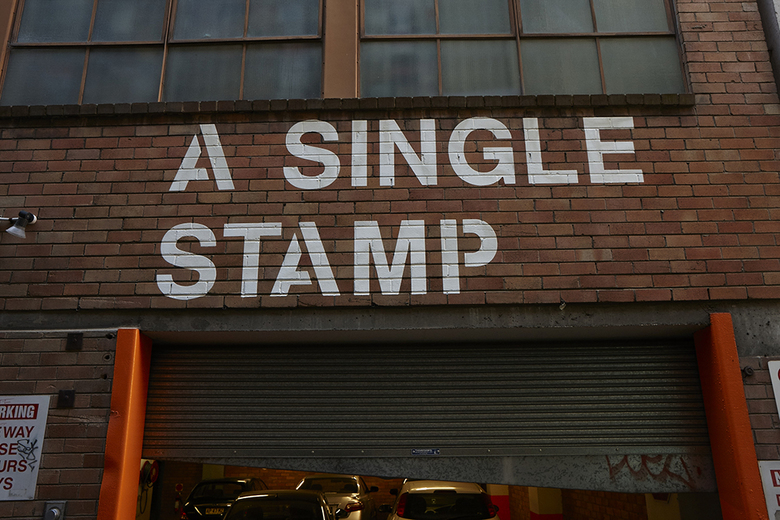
<point x="367" y="241"/>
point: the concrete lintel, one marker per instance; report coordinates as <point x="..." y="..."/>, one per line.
<point x="757" y="328"/>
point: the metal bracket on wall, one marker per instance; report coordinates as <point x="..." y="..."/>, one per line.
<point x="66" y="399"/>
<point x="54" y="510"/>
<point x="75" y="341"/>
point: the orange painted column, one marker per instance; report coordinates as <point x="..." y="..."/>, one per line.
<point x="731" y="436"/>
<point x="121" y="467"/>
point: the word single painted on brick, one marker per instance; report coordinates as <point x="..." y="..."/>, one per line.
<point x="424" y="165"/>
<point x="368" y="245"/>
<point x="367" y="240"/>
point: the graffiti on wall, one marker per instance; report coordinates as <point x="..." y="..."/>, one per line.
<point x="657" y="468"/>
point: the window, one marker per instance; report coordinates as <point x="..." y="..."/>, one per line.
<point x="119" y="51"/>
<point x="122" y="51"/>
<point x="494" y="47"/>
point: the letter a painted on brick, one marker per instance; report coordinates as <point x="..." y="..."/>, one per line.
<point x="188" y="171"/>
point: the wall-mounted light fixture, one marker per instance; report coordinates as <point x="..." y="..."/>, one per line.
<point x="19" y="223"/>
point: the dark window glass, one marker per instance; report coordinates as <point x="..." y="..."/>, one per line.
<point x="123" y="21"/>
<point x="203" y="72"/>
<point x="123" y="75"/>
<point x="479" y="67"/>
<point x="657" y="71"/>
<point x="556" y="16"/>
<point x="398" y="69"/>
<point x="43" y="77"/>
<point x="470" y="17"/>
<point x="630" y="15"/>
<point x="55" y="21"/>
<point x="203" y="19"/>
<point x="284" y="18"/>
<point x="330" y="485"/>
<point x="283" y="71"/>
<point x="569" y="66"/>
<point x="218" y="490"/>
<point x="400" y="17"/>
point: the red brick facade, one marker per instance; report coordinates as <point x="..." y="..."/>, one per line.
<point x="598" y="505"/>
<point x="72" y="454"/>
<point x="699" y="227"/>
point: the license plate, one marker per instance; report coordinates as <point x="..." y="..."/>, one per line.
<point x="213" y="511"/>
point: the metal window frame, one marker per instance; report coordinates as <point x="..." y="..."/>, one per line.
<point x="341" y="29"/>
<point x="166" y="41"/>
<point x="517" y="33"/>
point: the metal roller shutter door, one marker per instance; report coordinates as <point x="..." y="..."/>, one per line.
<point x="223" y="403"/>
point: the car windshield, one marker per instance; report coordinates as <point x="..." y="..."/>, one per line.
<point x="330" y="485"/>
<point x="444" y="506"/>
<point x="269" y="508"/>
<point x="218" y="490"/>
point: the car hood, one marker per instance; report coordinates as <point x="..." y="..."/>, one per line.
<point x="341" y="499"/>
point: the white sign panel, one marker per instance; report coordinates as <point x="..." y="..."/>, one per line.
<point x="774" y="374"/>
<point x="770" y="476"/>
<point x="22" y="427"/>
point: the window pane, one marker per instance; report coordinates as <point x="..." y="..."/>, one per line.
<point x="400" y="17"/>
<point x="123" y="75"/>
<point x="474" y="17"/>
<point x="122" y="21"/>
<point x="641" y="66"/>
<point x="556" y="16"/>
<point x="398" y="69"/>
<point x="199" y="19"/>
<point x="479" y="67"/>
<point x="55" y="21"/>
<point x="203" y="73"/>
<point x="43" y="77"/>
<point x="284" y="18"/>
<point x="283" y="71"/>
<point x="630" y="15"/>
<point x="568" y="66"/>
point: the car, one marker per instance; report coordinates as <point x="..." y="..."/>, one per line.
<point x="210" y="499"/>
<point x="282" y="504"/>
<point x="350" y="493"/>
<point x="437" y="500"/>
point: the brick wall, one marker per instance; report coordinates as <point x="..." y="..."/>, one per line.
<point x="679" y="235"/>
<point x="71" y="464"/>
<point x="519" y="503"/>
<point x="762" y="407"/>
<point x="164" y="495"/>
<point x="600" y="505"/>
<point x="274" y="478"/>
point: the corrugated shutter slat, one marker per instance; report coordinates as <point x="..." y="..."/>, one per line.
<point x="365" y="401"/>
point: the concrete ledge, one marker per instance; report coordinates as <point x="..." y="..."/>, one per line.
<point x="296" y="105"/>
